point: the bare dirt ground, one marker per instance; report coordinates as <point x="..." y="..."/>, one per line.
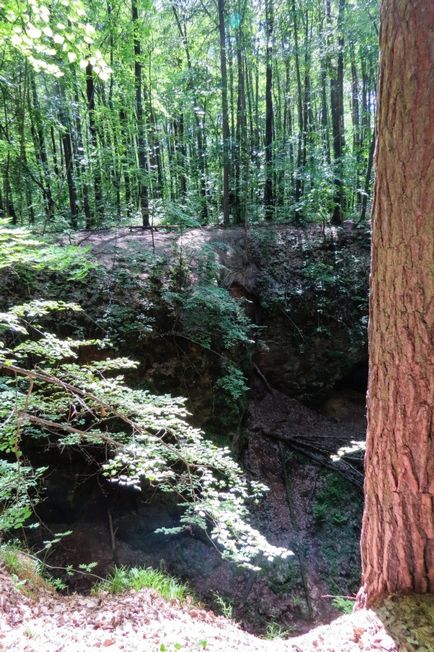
<point x="144" y="622"/>
<point x="107" y="243"/>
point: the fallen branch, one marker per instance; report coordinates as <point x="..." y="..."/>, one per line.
<point x="321" y="458"/>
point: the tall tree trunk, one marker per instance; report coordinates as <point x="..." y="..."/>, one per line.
<point x="141" y="142"/>
<point x="225" y="115"/>
<point x="324" y="64"/>
<point x="90" y="97"/>
<point x="299" y="171"/>
<point x="268" y="143"/>
<point x="80" y="160"/>
<point x="54" y="152"/>
<point x="67" y="156"/>
<point x="398" y="524"/>
<point x="8" y="202"/>
<point x="41" y="148"/>
<point x="153" y="143"/>
<point x="355" y="115"/>
<point x="178" y="129"/>
<point x="241" y="159"/>
<point x="337" y="110"/>
<point x="68" y="159"/>
<point x="126" y="157"/>
<point x="200" y="136"/>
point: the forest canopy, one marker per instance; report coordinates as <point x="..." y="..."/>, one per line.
<point x="186" y="111"/>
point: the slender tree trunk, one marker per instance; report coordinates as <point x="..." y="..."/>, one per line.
<point x="141" y="142"/>
<point x="200" y="136"/>
<point x="355" y="115"/>
<point x="90" y="97"/>
<point x="337" y="109"/>
<point x="307" y="111"/>
<point x="324" y="63"/>
<point x="72" y="192"/>
<point x="398" y="524"/>
<point x="126" y="157"/>
<point x="268" y="143"/>
<point x="178" y="130"/>
<point x="41" y="149"/>
<point x="241" y="158"/>
<point x="80" y="162"/>
<point x="301" y="126"/>
<point x="54" y="152"/>
<point x="225" y="115"/>
<point x="8" y="202"/>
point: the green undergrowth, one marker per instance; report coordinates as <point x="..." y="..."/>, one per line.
<point x="337" y="512"/>
<point x="274" y="631"/>
<point x="123" y="579"/>
<point x="28" y="574"/>
<point x="344" y="605"/>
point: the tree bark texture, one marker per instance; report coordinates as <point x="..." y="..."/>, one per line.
<point x="398" y="525"/>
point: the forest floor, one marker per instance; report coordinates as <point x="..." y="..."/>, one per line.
<point x="106" y="243"/>
<point x="145" y="622"/>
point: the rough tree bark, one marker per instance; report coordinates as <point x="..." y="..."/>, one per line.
<point x="398" y="526"/>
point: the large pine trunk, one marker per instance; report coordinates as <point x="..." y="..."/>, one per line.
<point x="398" y="525"/>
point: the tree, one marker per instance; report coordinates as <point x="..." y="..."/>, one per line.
<point x="260" y="131"/>
<point x="225" y="117"/>
<point x="141" y="142"/>
<point x="337" y="110"/>
<point x="268" y="187"/>
<point x="398" y="524"/>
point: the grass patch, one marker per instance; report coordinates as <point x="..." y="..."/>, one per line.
<point x="224" y="607"/>
<point x="26" y="573"/>
<point x="276" y="631"/>
<point x="123" y="579"/>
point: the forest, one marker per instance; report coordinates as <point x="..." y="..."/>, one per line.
<point x="139" y="112"/>
<point x="216" y="313"/>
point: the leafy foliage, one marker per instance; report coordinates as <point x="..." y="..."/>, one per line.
<point x="17" y="481"/>
<point x="45" y="393"/>
<point x="51" y="35"/>
<point x="149" y="438"/>
<point x="344" y="605"/>
<point x="20" y="251"/>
